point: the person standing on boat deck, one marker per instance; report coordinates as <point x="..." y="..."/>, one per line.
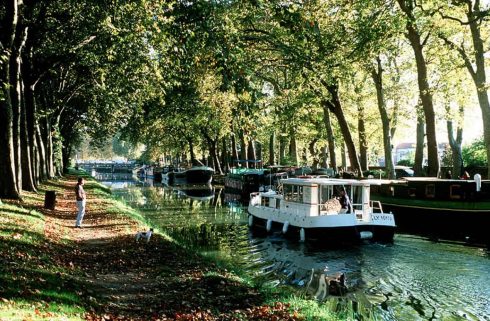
<point x="465" y="175"/>
<point x="448" y="175"/>
<point x="81" y="200"/>
<point x="344" y="201"/>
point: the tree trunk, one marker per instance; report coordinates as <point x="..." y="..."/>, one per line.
<point x="485" y="107"/>
<point x="393" y="120"/>
<point x="8" y="183"/>
<point x="343" y="157"/>
<point x="293" y="149"/>
<point x="214" y="155"/>
<point x="30" y="114"/>
<point x="330" y="137"/>
<point x="49" y="147"/>
<point x="225" y="157"/>
<point x="335" y="107"/>
<point x="455" y="144"/>
<point x="272" y="141"/>
<point x="65" y="153"/>
<point x="57" y="154"/>
<point x="192" y="152"/>
<point x="42" y="166"/>
<point x="213" y="151"/>
<point x="314" y="154"/>
<point x="243" y="147"/>
<point x="258" y="154"/>
<point x="426" y="97"/>
<point x="27" y="173"/>
<point x="282" y="149"/>
<point x="324" y="157"/>
<point x="252" y="153"/>
<point x="16" y="98"/>
<point x="479" y="76"/>
<point x="419" y="149"/>
<point x="361" y="129"/>
<point x="417" y="45"/>
<point x="234" y="151"/>
<point x="377" y="75"/>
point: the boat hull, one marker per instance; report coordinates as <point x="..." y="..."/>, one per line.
<point x="242" y="185"/>
<point x="174" y="178"/>
<point x="334" y="234"/>
<point x="438" y="208"/>
<point x="199" y="176"/>
<point x="336" y="228"/>
<point x="445" y="223"/>
<point x="196" y="176"/>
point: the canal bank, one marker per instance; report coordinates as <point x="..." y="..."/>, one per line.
<point x="412" y="278"/>
<point x="50" y="270"/>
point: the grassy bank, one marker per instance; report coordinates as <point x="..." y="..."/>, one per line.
<point x="33" y="285"/>
<point x="51" y="271"/>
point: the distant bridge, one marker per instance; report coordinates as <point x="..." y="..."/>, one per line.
<point x="107" y="167"/>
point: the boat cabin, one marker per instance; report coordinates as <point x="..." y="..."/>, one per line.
<point x="321" y="196"/>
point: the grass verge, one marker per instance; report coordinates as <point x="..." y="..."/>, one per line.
<point x="32" y="284"/>
<point x="53" y="278"/>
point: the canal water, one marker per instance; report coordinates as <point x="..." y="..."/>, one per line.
<point x="411" y="279"/>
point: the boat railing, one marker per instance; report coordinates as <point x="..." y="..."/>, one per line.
<point x="376" y="205"/>
<point x="355" y="208"/>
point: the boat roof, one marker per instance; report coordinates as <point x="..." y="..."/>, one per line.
<point x="247" y="161"/>
<point x="330" y="181"/>
<point x="435" y="179"/>
<point x="244" y="170"/>
<point x="205" y="168"/>
<point x="405" y="180"/>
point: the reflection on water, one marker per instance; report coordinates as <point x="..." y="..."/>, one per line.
<point x="411" y="279"/>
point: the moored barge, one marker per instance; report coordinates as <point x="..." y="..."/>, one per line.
<point x="441" y="208"/>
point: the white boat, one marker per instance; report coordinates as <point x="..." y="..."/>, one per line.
<point x="310" y="207"/>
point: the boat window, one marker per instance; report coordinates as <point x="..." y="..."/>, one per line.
<point x="265" y="201"/>
<point x="356" y="195"/>
<point x="293" y="193"/>
<point x="430" y="190"/>
<point x="299" y="194"/>
<point x="412" y="192"/>
<point x="278" y="203"/>
<point x="455" y="192"/>
<point x="288" y="192"/>
<point x="326" y="193"/>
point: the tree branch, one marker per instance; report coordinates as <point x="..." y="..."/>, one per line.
<point x="83" y="43"/>
<point x="462" y="53"/>
<point x="424" y="42"/>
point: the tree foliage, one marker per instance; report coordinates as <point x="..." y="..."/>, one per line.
<point x="204" y="80"/>
<point x="474" y="154"/>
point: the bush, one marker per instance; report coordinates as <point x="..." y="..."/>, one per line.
<point x="406" y="162"/>
<point x="377" y="173"/>
<point x="474" y="154"/>
<point x="447" y="157"/>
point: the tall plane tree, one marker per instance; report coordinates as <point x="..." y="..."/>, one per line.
<point x="474" y="16"/>
<point x="418" y="41"/>
<point x="8" y="171"/>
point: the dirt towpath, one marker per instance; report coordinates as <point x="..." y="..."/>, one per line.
<point x="127" y="280"/>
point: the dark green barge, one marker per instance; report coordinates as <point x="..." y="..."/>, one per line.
<point x="440" y="208"/>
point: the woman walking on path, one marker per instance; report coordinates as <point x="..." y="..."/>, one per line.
<point x="81" y="200"/>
